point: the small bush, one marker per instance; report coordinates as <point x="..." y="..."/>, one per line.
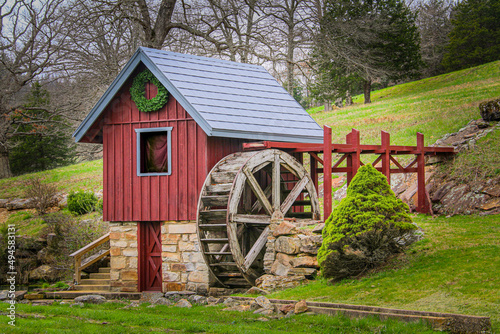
<point x="61" y="285"/>
<point x="81" y="202"/>
<point x="41" y="194"/>
<point x="365" y="229"/>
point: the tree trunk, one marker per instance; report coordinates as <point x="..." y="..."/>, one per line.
<point x="367" y="89"/>
<point x="4" y="163"/>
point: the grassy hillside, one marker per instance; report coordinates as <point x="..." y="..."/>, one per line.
<point x="456" y="269"/>
<point x="86" y="175"/>
<point x="434" y="106"/>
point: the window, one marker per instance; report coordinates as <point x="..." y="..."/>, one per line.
<point x="154" y="151"/>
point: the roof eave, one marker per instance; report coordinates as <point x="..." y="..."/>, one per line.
<point x="268" y="136"/>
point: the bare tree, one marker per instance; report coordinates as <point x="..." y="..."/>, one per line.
<point x="30" y="36"/>
<point x="434" y="24"/>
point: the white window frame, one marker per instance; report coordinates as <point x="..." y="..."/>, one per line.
<point x="138" y="132"/>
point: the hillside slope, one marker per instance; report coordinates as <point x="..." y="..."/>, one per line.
<point x="434" y="106"/>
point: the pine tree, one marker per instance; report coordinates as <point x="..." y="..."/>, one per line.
<point x="35" y="146"/>
<point x="365" y="40"/>
<point x="475" y="37"/>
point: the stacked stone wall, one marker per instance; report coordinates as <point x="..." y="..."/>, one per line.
<point x="183" y="267"/>
<point x="124" y="256"/>
<point x="291" y="254"/>
<point x="183" y="264"/>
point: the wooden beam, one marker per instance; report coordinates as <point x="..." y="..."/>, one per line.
<point x="261" y="197"/>
<point x="327" y="172"/>
<point x="251" y="219"/>
<point x="256" y="248"/>
<point x="276" y="182"/>
<point x="297" y="189"/>
<point x="386" y="156"/>
<point x="422" y="205"/>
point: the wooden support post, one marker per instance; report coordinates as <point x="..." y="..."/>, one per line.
<point x="356" y="156"/>
<point x="386" y="156"/>
<point x="313" y="163"/>
<point x="348" y="160"/>
<point x="422" y="204"/>
<point x="327" y="172"/>
<point x="78" y="271"/>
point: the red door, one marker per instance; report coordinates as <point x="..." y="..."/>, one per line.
<point x="149" y="237"/>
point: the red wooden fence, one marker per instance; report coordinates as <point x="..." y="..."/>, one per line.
<point x="351" y="152"/>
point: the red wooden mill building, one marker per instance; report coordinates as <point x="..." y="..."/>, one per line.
<point x="188" y="194"/>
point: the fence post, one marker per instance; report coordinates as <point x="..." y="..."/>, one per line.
<point x="327" y="172"/>
<point x="422" y="204"/>
<point x="356" y="154"/>
<point x="313" y="163"/>
<point x="386" y="156"/>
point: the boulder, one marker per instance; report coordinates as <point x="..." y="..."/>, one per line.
<point x="256" y="291"/>
<point x="490" y="110"/>
<point x="19" y="295"/>
<point x="175" y="296"/>
<point x="287" y="308"/>
<point x="238" y="308"/>
<point x="44" y="272"/>
<point x="90" y="299"/>
<point x="183" y="303"/>
<point x="163" y="301"/>
<point x="304" y="261"/>
<point x="287" y="245"/>
<point x="300" y="307"/>
<point x="19" y="204"/>
<point x="264" y="302"/>
<point x="198" y="300"/>
<point x="310" y="244"/>
<point x="230" y="302"/>
<point x="273" y="283"/>
<point x="285" y="228"/>
<point x="4" y="294"/>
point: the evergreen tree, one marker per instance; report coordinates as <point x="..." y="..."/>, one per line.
<point x="475" y="37"/>
<point x="37" y="147"/>
<point x="365" y="40"/>
<point x="367" y="227"/>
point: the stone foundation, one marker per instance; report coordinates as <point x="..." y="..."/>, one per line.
<point x="183" y="266"/>
<point x="123" y="251"/>
<point x="291" y="251"/>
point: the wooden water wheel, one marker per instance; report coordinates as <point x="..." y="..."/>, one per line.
<point x="241" y="195"/>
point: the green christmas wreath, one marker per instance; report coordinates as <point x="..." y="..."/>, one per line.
<point x="138" y="89"/>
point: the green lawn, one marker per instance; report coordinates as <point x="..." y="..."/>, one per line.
<point x="434" y="106"/>
<point x="110" y="318"/>
<point x="456" y="269"/>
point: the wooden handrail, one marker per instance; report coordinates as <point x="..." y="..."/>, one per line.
<point x="79" y="254"/>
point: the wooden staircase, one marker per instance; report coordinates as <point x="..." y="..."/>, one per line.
<point x="97" y="282"/>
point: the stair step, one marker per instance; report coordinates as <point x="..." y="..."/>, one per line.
<point x="217" y="200"/>
<point x="215" y="241"/>
<point x="230" y="274"/>
<point x="212" y="227"/>
<point x="213" y="214"/>
<point x="223" y="177"/>
<point x="99" y="276"/>
<point x="94" y="281"/>
<point x="218" y="253"/>
<point x="237" y="282"/>
<point x="80" y="287"/>
<point x="219" y="188"/>
<point x="221" y="264"/>
<point x="104" y="270"/>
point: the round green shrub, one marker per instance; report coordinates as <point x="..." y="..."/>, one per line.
<point x="81" y="202"/>
<point x="368" y="226"/>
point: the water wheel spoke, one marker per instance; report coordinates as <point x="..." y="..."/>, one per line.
<point x="257" y="206"/>
<point x="257" y="190"/>
<point x="292" y="196"/>
<point x="276" y="182"/>
<point x="251" y="219"/>
<point x="256" y="248"/>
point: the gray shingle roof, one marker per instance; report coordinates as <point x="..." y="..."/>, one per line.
<point x="227" y="99"/>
